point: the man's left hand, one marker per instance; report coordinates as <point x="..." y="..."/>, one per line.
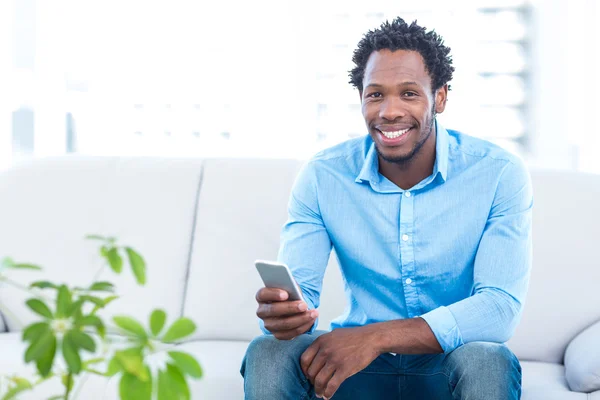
<point x="343" y="352"/>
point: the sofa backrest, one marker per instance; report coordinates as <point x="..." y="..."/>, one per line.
<point x="201" y="224"/>
<point x="564" y="295"/>
<point x="49" y="205"/>
<point x="242" y="208"/>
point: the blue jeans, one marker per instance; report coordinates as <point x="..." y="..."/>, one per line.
<point x="479" y="370"/>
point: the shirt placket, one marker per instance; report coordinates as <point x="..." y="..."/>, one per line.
<point x="407" y="254"/>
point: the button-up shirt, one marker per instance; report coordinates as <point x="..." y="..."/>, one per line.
<point x="455" y="249"/>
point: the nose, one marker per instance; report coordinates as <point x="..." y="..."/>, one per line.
<point x="392" y="108"/>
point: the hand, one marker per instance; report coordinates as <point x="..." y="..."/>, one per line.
<point x="335" y="356"/>
<point x="284" y="319"/>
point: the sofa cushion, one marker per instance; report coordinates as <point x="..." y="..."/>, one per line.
<point x="546" y="381"/>
<point x="582" y="360"/>
<point x="49" y="205"/>
<point x="242" y="207"/>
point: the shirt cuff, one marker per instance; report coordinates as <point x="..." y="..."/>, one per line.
<point x="444" y="327"/>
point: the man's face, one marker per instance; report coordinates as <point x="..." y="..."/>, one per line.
<point x="398" y="104"/>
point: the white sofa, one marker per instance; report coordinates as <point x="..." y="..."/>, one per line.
<point x="200" y="225"/>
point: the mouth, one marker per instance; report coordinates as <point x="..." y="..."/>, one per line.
<point x="394" y="137"/>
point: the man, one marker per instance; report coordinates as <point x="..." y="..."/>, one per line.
<point x="432" y="229"/>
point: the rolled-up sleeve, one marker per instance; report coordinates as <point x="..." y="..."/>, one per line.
<point x="501" y="273"/>
<point x="305" y="245"/>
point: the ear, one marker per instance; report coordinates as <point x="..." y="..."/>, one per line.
<point x="441" y="96"/>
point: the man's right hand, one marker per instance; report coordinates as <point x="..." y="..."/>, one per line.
<point x="284" y="319"/>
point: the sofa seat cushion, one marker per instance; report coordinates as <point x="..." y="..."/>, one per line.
<point x="220" y="361"/>
<point x="546" y="381"/>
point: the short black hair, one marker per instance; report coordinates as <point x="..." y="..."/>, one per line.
<point x="398" y="35"/>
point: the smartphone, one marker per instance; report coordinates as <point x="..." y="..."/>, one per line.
<point x="277" y="275"/>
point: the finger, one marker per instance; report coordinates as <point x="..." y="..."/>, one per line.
<point x="334" y="384"/>
<point x="307" y="357"/>
<point x="289" y="335"/>
<point x="288" y="322"/>
<point x="315" y="366"/>
<point x="322" y="379"/>
<point x="281" y="309"/>
<point x="271" y="294"/>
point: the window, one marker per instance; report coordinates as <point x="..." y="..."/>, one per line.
<point x="173" y="79"/>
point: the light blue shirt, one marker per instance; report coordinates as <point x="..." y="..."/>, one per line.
<point x="455" y="249"/>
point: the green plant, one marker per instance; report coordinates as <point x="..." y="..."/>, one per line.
<point x="70" y="327"/>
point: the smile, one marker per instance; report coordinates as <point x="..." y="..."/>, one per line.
<point x="394" y="134"/>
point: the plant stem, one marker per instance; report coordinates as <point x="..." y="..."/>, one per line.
<point x="24" y="288"/>
<point x="69" y="379"/>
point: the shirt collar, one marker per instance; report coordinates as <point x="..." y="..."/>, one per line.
<point x="370" y="169"/>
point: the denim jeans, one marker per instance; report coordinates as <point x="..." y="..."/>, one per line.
<point x="478" y="370"/>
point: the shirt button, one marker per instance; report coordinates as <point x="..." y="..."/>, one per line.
<point x="407" y="194"/>
<point x="408" y="281"/>
<point x="405" y="238"/>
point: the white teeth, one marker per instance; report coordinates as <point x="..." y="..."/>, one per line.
<point x="393" y="135"/>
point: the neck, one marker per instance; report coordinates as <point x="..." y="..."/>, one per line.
<point x="420" y="166"/>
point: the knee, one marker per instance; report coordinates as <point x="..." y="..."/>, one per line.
<point x="483" y="363"/>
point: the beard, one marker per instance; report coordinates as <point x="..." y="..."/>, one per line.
<point x="404" y="160"/>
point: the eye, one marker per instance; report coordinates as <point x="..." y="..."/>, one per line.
<point x="374" y="95"/>
<point x="410" y="94"/>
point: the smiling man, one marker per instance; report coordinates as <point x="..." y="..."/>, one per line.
<point x="432" y="229"/>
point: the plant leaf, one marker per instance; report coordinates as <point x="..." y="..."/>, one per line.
<point x="83" y="340"/>
<point x="132" y="388"/>
<point x="75" y="309"/>
<point x="114" y="259"/>
<point x="92" y="361"/>
<point x="43" y="285"/>
<point x="132" y="361"/>
<point x="93" y="320"/>
<point x="109" y="299"/>
<point x="24" y="266"/>
<point x="63" y="301"/>
<point x="57" y="397"/>
<point x="41" y="346"/>
<point x="179" y="329"/>
<point x="7" y="262"/>
<point x="114" y="366"/>
<point x="186" y="363"/>
<point x="138" y="265"/>
<point x="70" y="353"/>
<point x="96" y="237"/>
<point x="105" y="302"/>
<point x="39" y="307"/>
<point x="93" y="299"/>
<point x="130" y="325"/>
<point x="67" y="382"/>
<point x="45" y="362"/>
<point x="33" y="332"/>
<point x="165" y="391"/>
<point x="157" y="321"/>
<point x="102" y="287"/>
<point x="178" y="382"/>
<point x="90" y="320"/>
<point x="21" y="385"/>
